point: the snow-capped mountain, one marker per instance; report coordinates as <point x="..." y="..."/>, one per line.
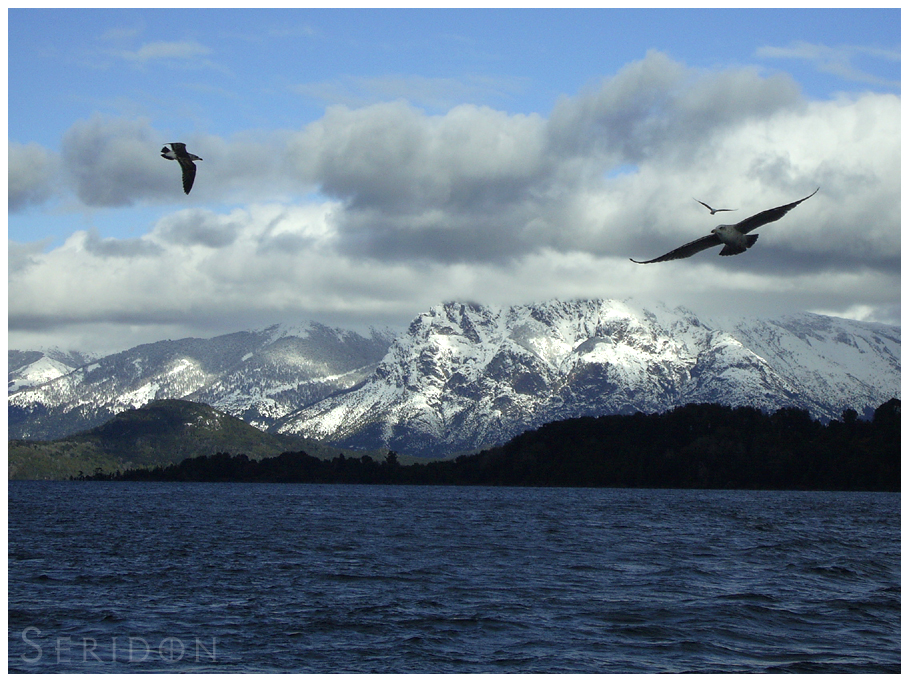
<point x="465" y="376"/>
<point x="256" y="375"/>
<point x="30" y="368"/>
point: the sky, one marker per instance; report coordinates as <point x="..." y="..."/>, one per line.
<point x="361" y="166"/>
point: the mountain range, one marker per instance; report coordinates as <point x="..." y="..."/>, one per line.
<point x="465" y="376"/>
<point x="257" y="376"/>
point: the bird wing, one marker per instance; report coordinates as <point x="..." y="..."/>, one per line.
<point x="179" y="148"/>
<point x="688" y="249"/>
<point x="768" y="216"/>
<point x="189" y="173"/>
<point x="711" y="209"/>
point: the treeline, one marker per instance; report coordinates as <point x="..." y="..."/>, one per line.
<point x="695" y="446"/>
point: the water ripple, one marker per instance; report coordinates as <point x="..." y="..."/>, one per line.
<point x="107" y="577"/>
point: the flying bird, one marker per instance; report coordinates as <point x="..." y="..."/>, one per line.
<point x="735" y="237"/>
<point x="714" y="210"/>
<point x="186" y="159"/>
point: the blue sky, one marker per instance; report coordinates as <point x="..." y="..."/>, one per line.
<point x="361" y="165"/>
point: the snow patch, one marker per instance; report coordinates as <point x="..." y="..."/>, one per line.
<point x="141" y="396"/>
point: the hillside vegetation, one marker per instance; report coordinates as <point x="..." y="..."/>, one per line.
<point x="695" y="446"/>
<point x="160" y="433"/>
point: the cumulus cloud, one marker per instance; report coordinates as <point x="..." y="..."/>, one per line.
<point x="118" y="248"/>
<point x="198" y="227"/>
<point x="169" y="275"/>
<point x="116" y="162"/>
<point x="32" y="175"/>
<point x="23" y="256"/>
<point x="478" y="185"/>
<point x="368" y="215"/>
<point x="158" y="287"/>
<point x="449" y="160"/>
<point x="417" y="186"/>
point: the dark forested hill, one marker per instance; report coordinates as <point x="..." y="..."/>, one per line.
<point x="695" y="446"/>
<point x="160" y="433"/>
<point x="705" y="446"/>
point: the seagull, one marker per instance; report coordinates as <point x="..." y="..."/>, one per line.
<point x="714" y="210"/>
<point x="186" y="159"/>
<point x="734" y="237"/>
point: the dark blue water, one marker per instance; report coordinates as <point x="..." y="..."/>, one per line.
<point x="130" y="577"/>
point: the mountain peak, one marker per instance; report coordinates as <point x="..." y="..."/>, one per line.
<point x="466" y="375"/>
<point x="258" y="376"/>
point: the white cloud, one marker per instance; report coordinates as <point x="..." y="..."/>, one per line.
<point x="412" y="209"/>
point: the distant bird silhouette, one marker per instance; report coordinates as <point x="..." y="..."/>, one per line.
<point x="714" y="210"/>
<point x="185" y="159"/>
<point x="735" y="237"/>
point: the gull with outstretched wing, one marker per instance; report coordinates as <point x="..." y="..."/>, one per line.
<point x="735" y="238"/>
<point x="713" y="210"/>
<point x="178" y="152"/>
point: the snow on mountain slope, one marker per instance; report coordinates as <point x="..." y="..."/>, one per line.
<point x="299" y="366"/>
<point x="40" y="371"/>
<point x="257" y="375"/>
<point x="31" y="368"/>
<point x="833" y="359"/>
<point x="465" y="376"/>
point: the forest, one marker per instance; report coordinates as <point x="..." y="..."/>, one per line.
<point x="694" y="446"/>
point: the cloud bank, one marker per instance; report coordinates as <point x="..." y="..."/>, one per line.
<point x="370" y="214"/>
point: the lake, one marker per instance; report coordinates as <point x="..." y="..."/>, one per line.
<point x="233" y="577"/>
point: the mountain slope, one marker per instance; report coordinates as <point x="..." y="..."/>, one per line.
<point x="256" y="375"/>
<point x="469" y="376"/>
<point x="35" y="367"/>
